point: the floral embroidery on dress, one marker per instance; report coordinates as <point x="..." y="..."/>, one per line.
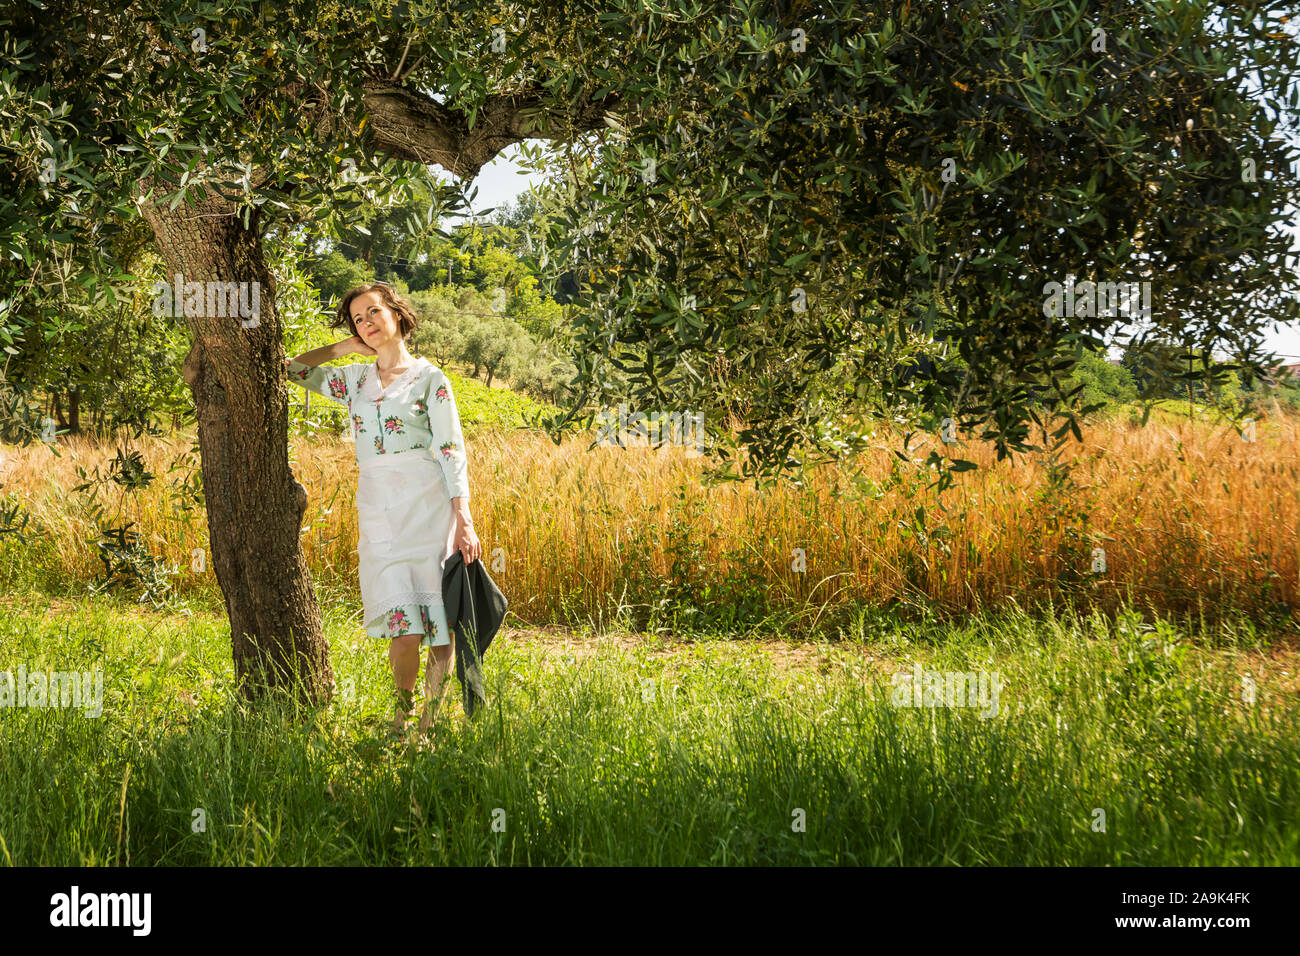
<point x="356" y="423"/>
<point x="393" y="425"/>
<point x="441" y="393"/>
<point x="379" y="444"/>
<point x="397" y="622"/>
<point x="448" y="448"/>
<point x="362" y="380"/>
<point x="420" y="407"/>
<point x="337" y="388"/>
<point x="430" y="632"/>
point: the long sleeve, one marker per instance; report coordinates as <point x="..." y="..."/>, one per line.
<point x="327" y="380"/>
<point x="448" y="441"/>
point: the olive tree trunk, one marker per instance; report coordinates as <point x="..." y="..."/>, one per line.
<point x="254" y="503"/>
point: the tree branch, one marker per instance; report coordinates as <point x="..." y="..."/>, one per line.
<point x="408" y="125"/>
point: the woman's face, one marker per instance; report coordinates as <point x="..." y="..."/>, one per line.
<point x="375" y="322"/>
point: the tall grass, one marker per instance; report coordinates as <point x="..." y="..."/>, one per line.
<point x="1194" y="522"/>
<point x="664" y="753"/>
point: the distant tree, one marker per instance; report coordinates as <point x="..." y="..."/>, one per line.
<point x="441" y="331"/>
<point x="520" y="213"/>
<point x="541" y="373"/>
<point x="1104" y="382"/>
<point x="495" y="343"/>
<point x="335" y="275"/>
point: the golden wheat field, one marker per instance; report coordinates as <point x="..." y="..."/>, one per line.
<point x="1180" y="516"/>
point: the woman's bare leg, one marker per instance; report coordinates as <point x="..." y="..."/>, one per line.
<point x="437" y="673"/>
<point x="404" y="655"/>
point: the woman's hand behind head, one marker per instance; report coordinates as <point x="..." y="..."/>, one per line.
<point x="355" y="346"/>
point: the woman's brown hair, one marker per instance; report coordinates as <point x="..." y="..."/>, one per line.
<point x="405" y="312"/>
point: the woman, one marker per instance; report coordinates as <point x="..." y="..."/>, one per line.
<point x="412" y="485"/>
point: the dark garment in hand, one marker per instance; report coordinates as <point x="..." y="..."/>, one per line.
<point x="475" y="609"/>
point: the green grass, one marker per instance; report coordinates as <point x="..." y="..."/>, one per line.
<point x="664" y="753"/>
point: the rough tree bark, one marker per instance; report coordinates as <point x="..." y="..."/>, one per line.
<point x="254" y="503"/>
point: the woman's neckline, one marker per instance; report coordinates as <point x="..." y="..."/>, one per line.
<point x="415" y="360"/>
<point x="415" y="364"/>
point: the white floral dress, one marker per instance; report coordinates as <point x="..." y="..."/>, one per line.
<point x="410" y="462"/>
